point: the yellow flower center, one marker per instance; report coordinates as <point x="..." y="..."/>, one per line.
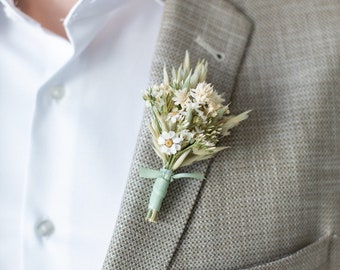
<point x="168" y="143"/>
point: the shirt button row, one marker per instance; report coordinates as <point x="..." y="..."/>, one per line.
<point x="45" y="228"/>
<point x="57" y="92"/>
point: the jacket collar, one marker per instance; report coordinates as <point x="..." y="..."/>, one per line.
<point x="213" y="30"/>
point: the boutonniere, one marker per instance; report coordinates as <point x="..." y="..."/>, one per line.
<point x="188" y="120"/>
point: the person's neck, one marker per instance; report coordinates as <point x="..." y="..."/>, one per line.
<point x="49" y="13"/>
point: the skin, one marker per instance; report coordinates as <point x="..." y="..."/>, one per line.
<point x="49" y="13"/>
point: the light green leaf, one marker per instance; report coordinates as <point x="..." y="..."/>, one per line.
<point x="234" y="121"/>
<point x="165" y="76"/>
<point x="180" y="160"/>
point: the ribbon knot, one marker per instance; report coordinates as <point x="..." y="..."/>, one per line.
<point x="167" y="175"/>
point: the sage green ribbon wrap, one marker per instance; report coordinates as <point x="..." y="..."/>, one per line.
<point x="163" y="178"/>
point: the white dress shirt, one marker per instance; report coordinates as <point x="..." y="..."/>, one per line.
<point x="69" y="118"/>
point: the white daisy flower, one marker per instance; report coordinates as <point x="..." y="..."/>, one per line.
<point x="166" y="89"/>
<point x="169" y="142"/>
<point x="160" y="101"/>
<point x="202" y="93"/>
<point x="189" y="105"/>
<point x="180" y="97"/>
<point x="154" y="91"/>
<point x="186" y="135"/>
<point x="174" y="115"/>
<point x="215" y="102"/>
<point x="202" y="116"/>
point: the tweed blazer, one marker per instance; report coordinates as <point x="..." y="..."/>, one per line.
<point x="272" y="200"/>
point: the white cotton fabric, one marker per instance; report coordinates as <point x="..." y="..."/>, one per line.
<point x="69" y="117"/>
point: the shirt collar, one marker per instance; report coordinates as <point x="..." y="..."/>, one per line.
<point x="82" y="9"/>
<point x="86" y="18"/>
<point x="83" y="21"/>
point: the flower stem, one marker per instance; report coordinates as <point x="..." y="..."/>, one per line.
<point x="158" y="193"/>
<point x="152" y="215"/>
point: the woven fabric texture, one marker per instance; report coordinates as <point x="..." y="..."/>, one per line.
<point x="272" y="200"/>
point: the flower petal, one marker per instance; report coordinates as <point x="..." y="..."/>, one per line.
<point x="177" y="147"/>
<point x="160" y="140"/>
<point x="171" y="134"/>
<point x="164" y="149"/>
<point x="173" y="149"/>
<point x="177" y="140"/>
<point x="165" y="135"/>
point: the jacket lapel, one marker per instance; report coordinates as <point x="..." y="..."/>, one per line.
<point x="213" y="30"/>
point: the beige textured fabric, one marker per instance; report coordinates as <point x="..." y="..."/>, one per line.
<point x="272" y="200"/>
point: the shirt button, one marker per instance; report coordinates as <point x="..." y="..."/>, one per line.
<point x="57" y="92"/>
<point x="45" y="228"/>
